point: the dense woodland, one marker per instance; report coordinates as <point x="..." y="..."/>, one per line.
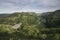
<point x="35" y="26"/>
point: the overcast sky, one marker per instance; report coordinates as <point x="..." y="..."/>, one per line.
<point x="7" y="6"/>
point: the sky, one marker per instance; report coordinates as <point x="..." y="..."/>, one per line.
<point x="9" y="6"/>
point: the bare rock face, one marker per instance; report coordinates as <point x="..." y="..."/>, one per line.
<point x="17" y="26"/>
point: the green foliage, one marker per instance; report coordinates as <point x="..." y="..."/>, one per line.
<point x="43" y="36"/>
<point x="30" y="30"/>
<point x="34" y="26"/>
<point x="6" y="28"/>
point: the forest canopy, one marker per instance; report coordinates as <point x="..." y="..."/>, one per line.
<point x="30" y="25"/>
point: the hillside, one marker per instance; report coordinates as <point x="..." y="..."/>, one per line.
<point x="48" y="19"/>
<point x="52" y="18"/>
<point x="30" y="25"/>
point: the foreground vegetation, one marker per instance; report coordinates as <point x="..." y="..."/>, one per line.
<point x="45" y="26"/>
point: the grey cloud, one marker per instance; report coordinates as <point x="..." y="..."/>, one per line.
<point x="29" y="5"/>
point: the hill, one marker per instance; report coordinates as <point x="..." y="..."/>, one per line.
<point x="30" y="26"/>
<point x="52" y="18"/>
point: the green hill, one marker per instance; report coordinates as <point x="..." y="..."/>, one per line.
<point x="30" y="26"/>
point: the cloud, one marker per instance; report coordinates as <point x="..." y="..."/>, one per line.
<point x="50" y="3"/>
<point x="29" y="5"/>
